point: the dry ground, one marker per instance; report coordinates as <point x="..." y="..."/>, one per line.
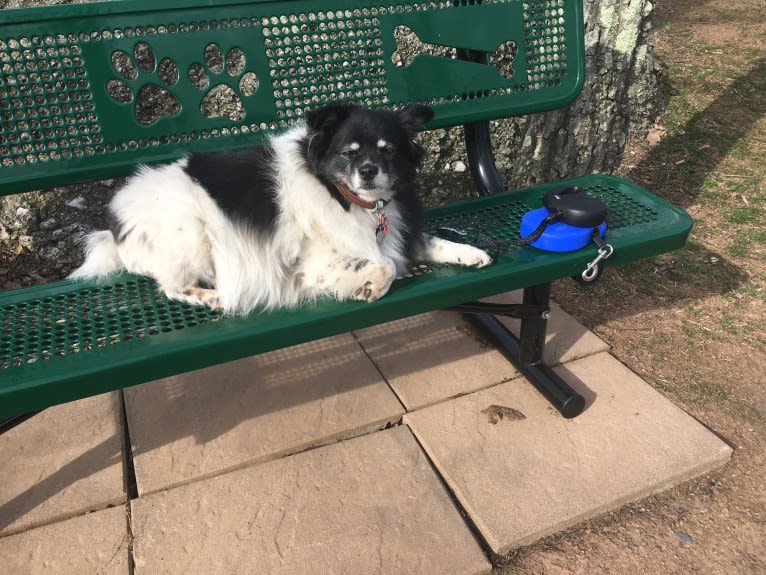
<point x="692" y="323"/>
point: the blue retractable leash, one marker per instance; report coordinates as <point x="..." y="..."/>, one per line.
<point x="569" y="220"/>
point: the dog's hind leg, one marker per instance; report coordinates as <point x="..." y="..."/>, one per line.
<point x="363" y="280"/>
<point x="196" y="295"/>
<point x="349" y="277"/>
<point x="189" y="281"/>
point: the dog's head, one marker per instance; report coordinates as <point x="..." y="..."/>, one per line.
<point x="371" y="152"/>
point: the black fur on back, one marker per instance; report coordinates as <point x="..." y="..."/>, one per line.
<point x="241" y="182"/>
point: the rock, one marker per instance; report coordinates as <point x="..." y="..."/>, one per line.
<point x="48" y="224"/>
<point x="51" y="252"/>
<point x="78" y="203"/>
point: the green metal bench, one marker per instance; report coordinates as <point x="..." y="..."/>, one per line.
<point x="89" y="91"/>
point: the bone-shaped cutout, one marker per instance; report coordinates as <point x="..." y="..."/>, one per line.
<point x="408" y="46"/>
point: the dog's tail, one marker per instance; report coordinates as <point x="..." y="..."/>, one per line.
<point x="101" y="256"/>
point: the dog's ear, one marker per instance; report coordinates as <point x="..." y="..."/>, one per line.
<point x="327" y="117"/>
<point x="322" y="124"/>
<point x="413" y="116"/>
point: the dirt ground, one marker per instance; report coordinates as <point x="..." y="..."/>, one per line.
<point x="691" y="323"/>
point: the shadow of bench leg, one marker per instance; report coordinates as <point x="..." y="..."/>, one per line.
<point x="8" y="423"/>
<point x="526" y="351"/>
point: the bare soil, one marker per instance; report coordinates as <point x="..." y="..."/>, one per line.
<point x="691" y="323"/>
<point x="20" y="267"/>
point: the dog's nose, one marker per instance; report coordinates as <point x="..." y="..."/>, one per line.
<point x="368" y="171"/>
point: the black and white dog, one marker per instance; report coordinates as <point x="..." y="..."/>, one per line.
<point x="327" y="208"/>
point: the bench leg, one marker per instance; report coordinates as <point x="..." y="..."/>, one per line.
<point x="526" y="351"/>
<point x="479" y="150"/>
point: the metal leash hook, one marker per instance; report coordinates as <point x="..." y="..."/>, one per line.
<point x="605" y="251"/>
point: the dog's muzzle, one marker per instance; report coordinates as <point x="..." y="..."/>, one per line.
<point x="368" y="172"/>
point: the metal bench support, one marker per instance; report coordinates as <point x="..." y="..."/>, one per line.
<point x="526" y="351"/>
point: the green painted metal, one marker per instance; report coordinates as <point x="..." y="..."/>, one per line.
<point x="88" y="91"/>
<point x="70" y="111"/>
<point x="67" y="340"/>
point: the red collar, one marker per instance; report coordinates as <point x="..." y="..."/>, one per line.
<point x="353" y="198"/>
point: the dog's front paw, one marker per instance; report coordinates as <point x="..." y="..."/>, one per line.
<point x="473" y="257"/>
<point x="377" y="282"/>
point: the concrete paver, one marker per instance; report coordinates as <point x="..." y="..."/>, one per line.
<point x="95" y="543"/>
<point x="520" y="480"/>
<point x="205" y="422"/>
<point x="64" y="461"/>
<point x="220" y="492"/>
<point x="434" y="356"/>
<point x="367" y="505"/>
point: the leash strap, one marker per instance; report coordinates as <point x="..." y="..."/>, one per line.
<point x="494" y="247"/>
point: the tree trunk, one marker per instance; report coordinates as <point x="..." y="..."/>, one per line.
<point x="621" y="99"/>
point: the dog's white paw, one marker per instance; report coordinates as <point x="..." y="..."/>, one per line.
<point x="440" y="250"/>
<point x="473" y="257"/>
<point x="483" y="259"/>
<point x="377" y="282"/>
<point x="195" y="295"/>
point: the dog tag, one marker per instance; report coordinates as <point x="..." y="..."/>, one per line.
<point x="382" y="225"/>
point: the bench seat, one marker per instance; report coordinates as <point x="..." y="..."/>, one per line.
<point x="67" y="340"/>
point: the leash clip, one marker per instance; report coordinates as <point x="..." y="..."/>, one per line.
<point x="592" y="269"/>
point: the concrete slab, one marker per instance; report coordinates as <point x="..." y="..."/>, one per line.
<point x="202" y="423"/>
<point x="523" y="479"/>
<point x="434" y="356"/>
<point x="62" y="462"/>
<point x="92" y="543"/>
<point x="566" y="338"/>
<point x="368" y="505"/>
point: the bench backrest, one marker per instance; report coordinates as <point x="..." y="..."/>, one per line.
<point x="88" y="91"/>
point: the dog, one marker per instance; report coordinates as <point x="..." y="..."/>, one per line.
<point x="327" y="208"/>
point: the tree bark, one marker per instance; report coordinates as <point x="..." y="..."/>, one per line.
<point x="621" y="99"/>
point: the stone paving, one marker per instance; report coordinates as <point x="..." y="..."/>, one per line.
<point x="375" y="452"/>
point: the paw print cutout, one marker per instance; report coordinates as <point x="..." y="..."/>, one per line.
<point x="145" y="83"/>
<point x="222" y="100"/>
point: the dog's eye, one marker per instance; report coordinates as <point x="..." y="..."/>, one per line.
<point x="350" y="154"/>
<point x="387" y="150"/>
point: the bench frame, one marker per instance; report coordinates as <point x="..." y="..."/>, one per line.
<point x="525" y="351"/>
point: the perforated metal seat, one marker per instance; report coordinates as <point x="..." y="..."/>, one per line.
<point x="68" y="340"/>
